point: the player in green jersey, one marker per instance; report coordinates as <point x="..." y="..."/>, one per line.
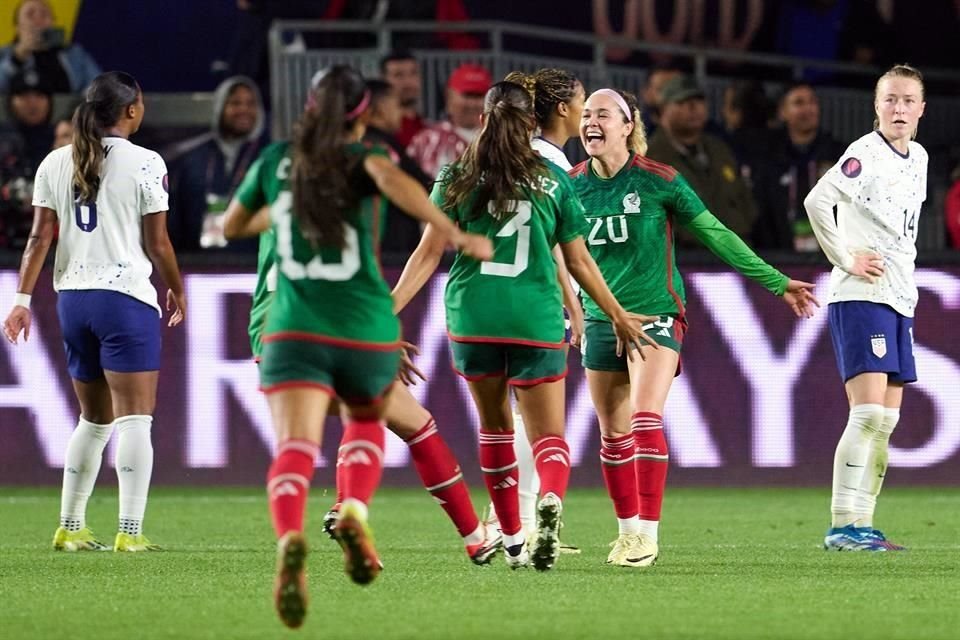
<point x="633" y="205"/>
<point x="558" y="100"/>
<point x="504" y="315"/>
<point x="327" y="234"/>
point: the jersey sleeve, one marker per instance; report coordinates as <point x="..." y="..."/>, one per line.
<point x="572" y="217"/>
<point x="154" y="185"/>
<point x="250" y="193"/>
<point x="687" y="205"/>
<point x="853" y="171"/>
<point x="43" y="195"/>
<point x="728" y="246"/>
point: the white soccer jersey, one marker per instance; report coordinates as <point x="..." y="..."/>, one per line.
<point x="885" y="190"/>
<point x="101" y="246"/>
<point x="551" y="152"/>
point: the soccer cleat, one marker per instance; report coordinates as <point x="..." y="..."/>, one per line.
<point x="642" y="552"/>
<point x="849" y="538"/>
<point x="330" y="521"/>
<point x="290" y="585"/>
<point x="619" y="548"/>
<point x="133" y="543"/>
<point x="82" y="540"/>
<point x="483" y="553"/>
<point x="361" y="562"/>
<point x="877" y="536"/>
<point x="517" y="555"/>
<point x="491" y="523"/>
<point x="546" y="546"/>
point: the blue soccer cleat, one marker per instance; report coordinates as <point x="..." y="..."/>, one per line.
<point x="877" y="536"/>
<point x="850" y="538"/>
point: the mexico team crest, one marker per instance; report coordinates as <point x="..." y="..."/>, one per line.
<point x="631" y="203"/>
<point x="878" y="344"/>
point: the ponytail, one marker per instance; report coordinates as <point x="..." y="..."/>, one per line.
<point x="87" y="152"/>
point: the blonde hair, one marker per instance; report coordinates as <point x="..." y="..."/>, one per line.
<point x="899" y="71"/>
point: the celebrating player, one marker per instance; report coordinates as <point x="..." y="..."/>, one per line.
<point x="632" y="205"/>
<point x="108" y="197"/>
<point x="557" y="100"/>
<point x="504" y="316"/>
<point x="327" y="233"/>
<point x="877" y="187"/>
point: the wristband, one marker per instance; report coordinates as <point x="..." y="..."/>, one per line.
<point x="22" y="300"/>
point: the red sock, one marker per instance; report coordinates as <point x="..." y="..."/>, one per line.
<point x="551" y="456"/>
<point x="499" y="465"/>
<point x="620" y="473"/>
<point x="652" y="461"/>
<point x="288" y="482"/>
<point x="360" y="459"/>
<point x="441" y="476"/>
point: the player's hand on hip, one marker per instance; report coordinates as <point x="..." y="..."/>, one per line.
<point x="630" y="334"/>
<point x="176" y="302"/>
<point x="18" y="320"/>
<point x="799" y="296"/>
<point x="867" y="265"/>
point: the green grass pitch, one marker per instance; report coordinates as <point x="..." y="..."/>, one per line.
<point x="735" y="563"/>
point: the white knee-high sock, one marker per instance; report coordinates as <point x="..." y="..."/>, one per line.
<point x="134" y="468"/>
<point x="875" y="469"/>
<point x="80" y="469"/>
<point x="529" y="481"/>
<point x="850" y="460"/>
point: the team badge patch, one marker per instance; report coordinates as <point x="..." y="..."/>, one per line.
<point x="878" y="344"/>
<point x="851" y="167"/>
<point x="631" y="203"/>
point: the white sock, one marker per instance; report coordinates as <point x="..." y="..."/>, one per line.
<point x="80" y="469"/>
<point x="529" y="481"/>
<point x="134" y="468"/>
<point x="629" y="526"/>
<point x="650" y="528"/>
<point x="850" y="460"/>
<point x="874" y="470"/>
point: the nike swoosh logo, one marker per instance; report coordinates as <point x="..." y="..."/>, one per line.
<point x="855" y="466"/>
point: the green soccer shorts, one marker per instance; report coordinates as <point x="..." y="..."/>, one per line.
<point x="522" y="365"/>
<point x="599" y="344"/>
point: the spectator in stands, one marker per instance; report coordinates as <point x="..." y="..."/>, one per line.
<point x="38" y="47"/>
<point x="62" y="133"/>
<point x="746" y="115"/>
<point x="402" y="232"/>
<point x="652" y="100"/>
<point x="24" y="143"/>
<point x="798" y="155"/>
<point x="402" y="70"/>
<point x="951" y="209"/>
<point x="441" y="143"/>
<point x="206" y="170"/>
<point x="706" y="161"/>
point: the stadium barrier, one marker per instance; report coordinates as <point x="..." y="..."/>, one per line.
<point x="759" y="401"/>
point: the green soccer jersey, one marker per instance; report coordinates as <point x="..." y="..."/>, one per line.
<point x="515" y="297"/>
<point x="263" y="293"/>
<point x="632" y="218"/>
<point x="323" y="294"/>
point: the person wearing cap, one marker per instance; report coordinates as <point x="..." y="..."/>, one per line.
<point x="633" y="204"/>
<point x="439" y="144"/>
<point x="38" y="47"/>
<point x="706" y="161"/>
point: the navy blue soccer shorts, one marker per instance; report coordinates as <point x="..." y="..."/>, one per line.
<point x="872" y="337"/>
<point x="108" y="330"/>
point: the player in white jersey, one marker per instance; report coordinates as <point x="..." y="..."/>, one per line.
<point x="558" y="100"/>
<point x="878" y="187"/>
<point x="108" y="199"/>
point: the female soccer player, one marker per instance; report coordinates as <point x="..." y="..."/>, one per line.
<point x="557" y="101"/>
<point x="504" y="316"/>
<point x="108" y="197"/>
<point x="330" y="329"/>
<point x="632" y="206"/>
<point x="878" y="187"/>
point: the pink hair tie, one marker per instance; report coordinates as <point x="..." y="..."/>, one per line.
<point x="360" y="108"/>
<point x="616" y="97"/>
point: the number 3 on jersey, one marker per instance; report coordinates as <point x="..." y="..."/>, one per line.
<point x="316" y="269"/>
<point x="517" y="225"/>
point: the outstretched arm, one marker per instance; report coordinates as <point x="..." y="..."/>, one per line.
<point x="422" y="264"/>
<point x="239" y="222"/>
<point x="570" y="300"/>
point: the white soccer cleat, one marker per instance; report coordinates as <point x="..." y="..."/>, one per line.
<point x="633" y="550"/>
